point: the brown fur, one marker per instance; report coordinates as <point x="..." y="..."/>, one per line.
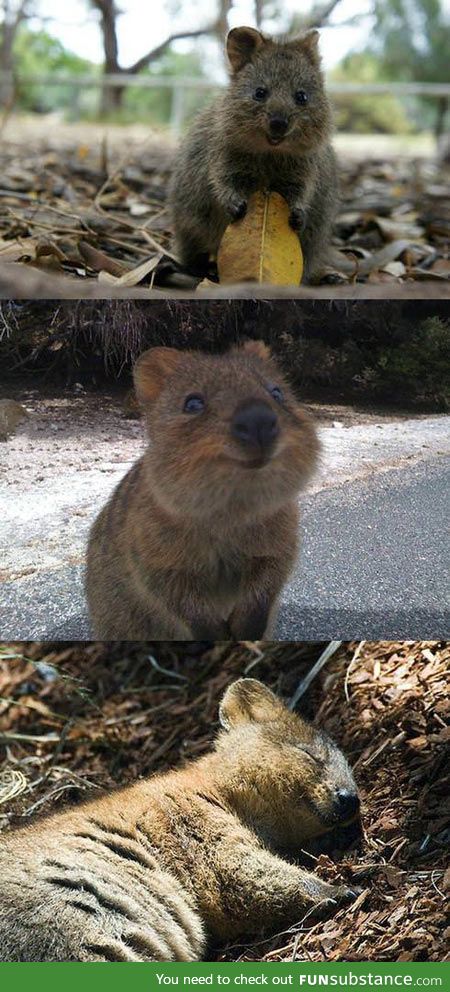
<point x="11" y="414"/>
<point x="227" y="154"/>
<point x="197" y="540"/>
<point x="150" y="872"/>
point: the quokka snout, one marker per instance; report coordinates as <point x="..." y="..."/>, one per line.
<point x="200" y="536"/>
<point x="156" y="870"/>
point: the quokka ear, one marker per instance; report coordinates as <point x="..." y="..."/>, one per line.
<point x="257" y="348"/>
<point x="309" y="44"/>
<point x="151" y="371"/>
<point x="248" y="701"/>
<point x="242" y="45"/>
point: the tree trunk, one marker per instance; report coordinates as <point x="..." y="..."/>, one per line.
<point x="11" y="22"/>
<point x="441" y="113"/>
<point x="111" y="96"/>
<point x="111" y="100"/>
<point x="6" y="65"/>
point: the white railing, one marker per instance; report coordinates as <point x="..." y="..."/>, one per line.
<point x="180" y="85"/>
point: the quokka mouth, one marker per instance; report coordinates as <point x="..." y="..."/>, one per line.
<point x="254" y="463"/>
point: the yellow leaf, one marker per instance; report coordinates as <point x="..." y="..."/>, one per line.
<point x="261" y="247"/>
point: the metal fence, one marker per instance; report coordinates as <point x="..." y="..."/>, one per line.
<point x="181" y="86"/>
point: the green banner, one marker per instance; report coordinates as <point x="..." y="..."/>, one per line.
<point x="73" y="976"/>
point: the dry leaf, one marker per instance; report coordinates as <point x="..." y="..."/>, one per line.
<point x="134" y="276"/>
<point x="262" y="247"/>
<point x="99" y="261"/>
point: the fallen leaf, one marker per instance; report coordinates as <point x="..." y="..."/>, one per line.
<point x="261" y="247"/>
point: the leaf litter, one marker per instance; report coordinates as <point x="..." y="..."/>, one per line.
<point x="76" y="718"/>
<point x="91" y="213"/>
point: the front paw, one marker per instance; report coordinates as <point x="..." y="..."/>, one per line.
<point x="343" y="894"/>
<point x="236" y="207"/>
<point x="297" y="219"/>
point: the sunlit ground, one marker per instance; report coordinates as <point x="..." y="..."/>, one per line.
<point x="52" y="130"/>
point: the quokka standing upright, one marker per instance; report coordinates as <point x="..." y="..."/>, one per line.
<point x="150" y="872"/>
<point x="270" y="130"/>
<point x="200" y="536"/>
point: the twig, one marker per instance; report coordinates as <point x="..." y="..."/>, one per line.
<point x="165" y="671"/>
<point x="51" y="795"/>
<point x="352" y="662"/>
<point x="330" y="649"/>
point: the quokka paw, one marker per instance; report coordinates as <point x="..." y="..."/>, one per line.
<point x="346" y="893"/>
<point x="297" y="219"/>
<point x="237" y="207"/>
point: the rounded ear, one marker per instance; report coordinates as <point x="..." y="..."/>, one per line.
<point x="242" y="44"/>
<point x="257" y="348"/>
<point x="309" y="43"/>
<point x="248" y="701"/>
<point x="152" y="369"/>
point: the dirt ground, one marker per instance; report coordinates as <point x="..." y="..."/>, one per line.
<point x="76" y="718"/>
<point x="86" y="203"/>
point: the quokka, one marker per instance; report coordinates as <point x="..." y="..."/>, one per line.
<point x="198" y="539"/>
<point x="270" y="130"/>
<point x="11" y="414"/>
<point x="154" y="871"/>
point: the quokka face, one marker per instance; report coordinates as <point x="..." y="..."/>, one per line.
<point x="277" y="98"/>
<point x="298" y="783"/>
<point x="223" y="424"/>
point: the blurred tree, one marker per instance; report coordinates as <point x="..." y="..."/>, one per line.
<point x="412" y="40"/>
<point x="155" y="105"/>
<point x="112" y="97"/>
<point x="264" y="10"/>
<point x="13" y="13"/>
<point x="383" y="114"/>
<point x="39" y="53"/>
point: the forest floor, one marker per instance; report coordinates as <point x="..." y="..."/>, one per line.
<point x="74" y="204"/>
<point x="77" y="718"/>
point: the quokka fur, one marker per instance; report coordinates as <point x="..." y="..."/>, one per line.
<point x="156" y="870"/>
<point x="200" y="536"/>
<point x="11" y="414"/>
<point x="235" y="147"/>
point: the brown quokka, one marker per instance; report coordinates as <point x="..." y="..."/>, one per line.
<point x="152" y="871"/>
<point x="11" y="414"/>
<point x="200" y="536"/>
<point x="270" y="130"/>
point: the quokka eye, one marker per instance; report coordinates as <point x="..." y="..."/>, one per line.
<point x="194" y="403"/>
<point x="261" y="93"/>
<point x="313" y="757"/>
<point x="277" y="393"/>
<point x="300" y="97"/>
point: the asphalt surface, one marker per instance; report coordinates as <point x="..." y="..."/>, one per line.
<point x="374" y="564"/>
<point x="375" y="560"/>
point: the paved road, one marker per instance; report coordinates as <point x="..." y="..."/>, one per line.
<point x="374" y="565"/>
<point x="375" y="560"/>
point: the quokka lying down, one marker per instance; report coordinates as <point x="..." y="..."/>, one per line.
<point x="200" y="536"/>
<point x="154" y="871"/>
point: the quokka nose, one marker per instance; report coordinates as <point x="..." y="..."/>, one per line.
<point x="347" y="803"/>
<point x="278" y="124"/>
<point x="255" y="425"/>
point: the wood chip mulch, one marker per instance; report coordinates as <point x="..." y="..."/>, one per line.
<point x="76" y="718"/>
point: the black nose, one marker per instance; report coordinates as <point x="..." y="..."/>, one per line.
<point x="255" y="425"/>
<point x="347" y="804"/>
<point x="278" y="125"/>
